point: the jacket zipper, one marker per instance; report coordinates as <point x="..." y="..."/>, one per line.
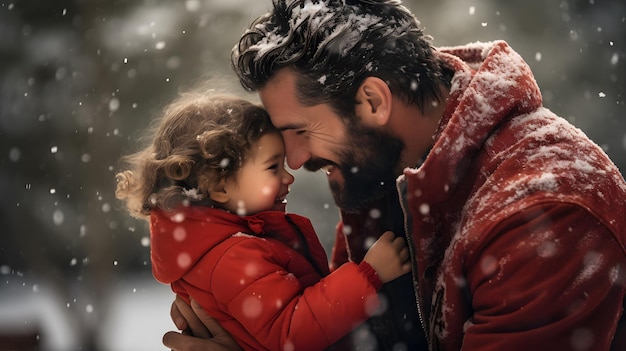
<point x="409" y="240"/>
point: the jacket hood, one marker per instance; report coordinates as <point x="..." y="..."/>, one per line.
<point x="491" y="83"/>
<point x="498" y="152"/>
<point x="180" y="238"/>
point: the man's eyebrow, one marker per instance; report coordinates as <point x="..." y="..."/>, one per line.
<point x="289" y="127"/>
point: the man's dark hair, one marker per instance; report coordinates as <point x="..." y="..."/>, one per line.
<point x="333" y="45"/>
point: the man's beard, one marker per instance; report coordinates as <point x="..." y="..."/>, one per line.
<point x="368" y="165"/>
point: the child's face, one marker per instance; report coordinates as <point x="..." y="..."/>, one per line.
<point x="262" y="183"/>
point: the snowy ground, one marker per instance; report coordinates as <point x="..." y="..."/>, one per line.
<point x="137" y="318"/>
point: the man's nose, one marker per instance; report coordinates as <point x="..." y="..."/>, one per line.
<point x="296" y="152"/>
<point x="297" y="158"/>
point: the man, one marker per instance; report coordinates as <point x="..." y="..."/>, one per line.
<point x="515" y="219"/>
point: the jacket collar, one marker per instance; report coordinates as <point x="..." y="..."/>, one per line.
<point x="491" y="82"/>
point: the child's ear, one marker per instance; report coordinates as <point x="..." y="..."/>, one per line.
<point x="218" y="193"/>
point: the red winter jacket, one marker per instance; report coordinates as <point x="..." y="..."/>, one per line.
<point x="265" y="277"/>
<point x="517" y="220"/>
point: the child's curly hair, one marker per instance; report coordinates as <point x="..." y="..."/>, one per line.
<point x="199" y="141"/>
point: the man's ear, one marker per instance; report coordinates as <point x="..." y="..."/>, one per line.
<point x="374" y="97"/>
<point x="218" y="193"/>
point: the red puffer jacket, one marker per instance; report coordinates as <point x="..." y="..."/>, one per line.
<point x="517" y="220"/>
<point x="265" y="277"/>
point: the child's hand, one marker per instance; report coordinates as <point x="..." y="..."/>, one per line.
<point x="389" y="256"/>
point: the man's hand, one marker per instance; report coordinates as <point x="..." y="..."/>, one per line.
<point x="200" y="332"/>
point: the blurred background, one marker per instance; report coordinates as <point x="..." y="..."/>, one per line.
<point x="81" y="79"/>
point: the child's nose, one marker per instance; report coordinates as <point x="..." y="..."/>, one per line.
<point x="288" y="178"/>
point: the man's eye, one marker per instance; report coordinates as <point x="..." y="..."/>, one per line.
<point x="300" y="132"/>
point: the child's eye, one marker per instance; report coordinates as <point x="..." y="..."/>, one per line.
<point x="273" y="168"/>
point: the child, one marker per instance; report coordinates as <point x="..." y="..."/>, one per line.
<point x="213" y="186"/>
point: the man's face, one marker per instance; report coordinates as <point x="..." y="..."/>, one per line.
<point x="361" y="162"/>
